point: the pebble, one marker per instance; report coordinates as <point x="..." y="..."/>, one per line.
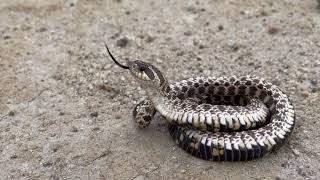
<point x="42" y="29"/>
<point x="183" y="171"/>
<point x="201" y="46"/>
<point x="187" y="33"/>
<point x="220" y="27"/>
<point x="313" y="82"/>
<point x="315" y="89"/>
<point x="122" y="42"/>
<point x="302" y="53"/>
<point x="263" y="13"/>
<point x="296" y="152"/>
<point x="273" y="30"/>
<point x="180" y="53"/>
<point x="11" y="113"/>
<point x="6" y="37"/>
<point x="94" y="114"/>
<point x="233" y="45"/>
<point x="191" y="9"/>
<point x="105" y="87"/>
<point x="149" y="38"/>
<point x="305" y="94"/>
<point x="285" y="164"/>
<point x="117" y="116"/>
<point x="95" y="129"/>
<point x="47" y="164"/>
<point x="74" y="129"/>
<point x="14" y="156"/>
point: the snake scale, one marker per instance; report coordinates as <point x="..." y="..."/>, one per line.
<point x="218" y="119"/>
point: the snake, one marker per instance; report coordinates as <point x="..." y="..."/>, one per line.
<point x="235" y="118"/>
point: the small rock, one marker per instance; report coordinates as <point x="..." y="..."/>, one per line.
<point x="47" y="164"/>
<point x="302" y="53"/>
<point x="273" y="30"/>
<point x="278" y="178"/>
<point x="296" y="152"/>
<point x="149" y="39"/>
<point x="11" y="113"/>
<point x="106" y="87"/>
<point x="94" y="114"/>
<point x="42" y="29"/>
<point x="187" y="33"/>
<point x="14" y="156"/>
<point x="201" y="46"/>
<point x="74" y="129"/>
<point x="183" y="171"/>
<point x="61" y="113"/>
<point x="180" y="53"/>
<point x="192" y="9"/>
<point x="95" y="129"/>
<point x="122" y="42"/>
<point x="233" y="46"/>
<point x="313" y="82"/>
<point x="315" y="89"/>
<point x="116" y="35"/>
<point x="306" y="94"/>
<point x="220" y="27"/>
<point x="117" y="116"/>
<point x="57" y="77"/>
<point x="285" y="164"/>
<point x="263" y="13"/>
<point x="6" y="37"/>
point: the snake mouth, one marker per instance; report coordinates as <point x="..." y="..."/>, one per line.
<point x="141" y="76"/>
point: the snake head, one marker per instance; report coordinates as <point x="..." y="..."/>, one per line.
<point x="145" y="73"/>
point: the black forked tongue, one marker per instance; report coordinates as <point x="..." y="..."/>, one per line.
<point x="114" y="59"/>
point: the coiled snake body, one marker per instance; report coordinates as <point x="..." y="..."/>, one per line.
<point x="219" y="119"/>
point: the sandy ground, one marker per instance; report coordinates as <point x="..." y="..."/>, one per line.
<point x="65" y="110"/>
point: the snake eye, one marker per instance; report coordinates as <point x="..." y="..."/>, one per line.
<point x="135" y="66"/>
<point x="141" y="69"/>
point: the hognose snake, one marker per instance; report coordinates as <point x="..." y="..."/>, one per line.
<point x="220" y="119"/>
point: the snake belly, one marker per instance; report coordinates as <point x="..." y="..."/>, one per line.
<point x="226" y="132"/>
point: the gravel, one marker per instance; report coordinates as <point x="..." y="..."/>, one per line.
<point x="66" y="109"/>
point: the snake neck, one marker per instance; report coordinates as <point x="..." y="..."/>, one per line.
<point x="158" y="96"/>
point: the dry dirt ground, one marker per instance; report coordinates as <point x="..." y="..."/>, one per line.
<point x="65" y="110"/>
